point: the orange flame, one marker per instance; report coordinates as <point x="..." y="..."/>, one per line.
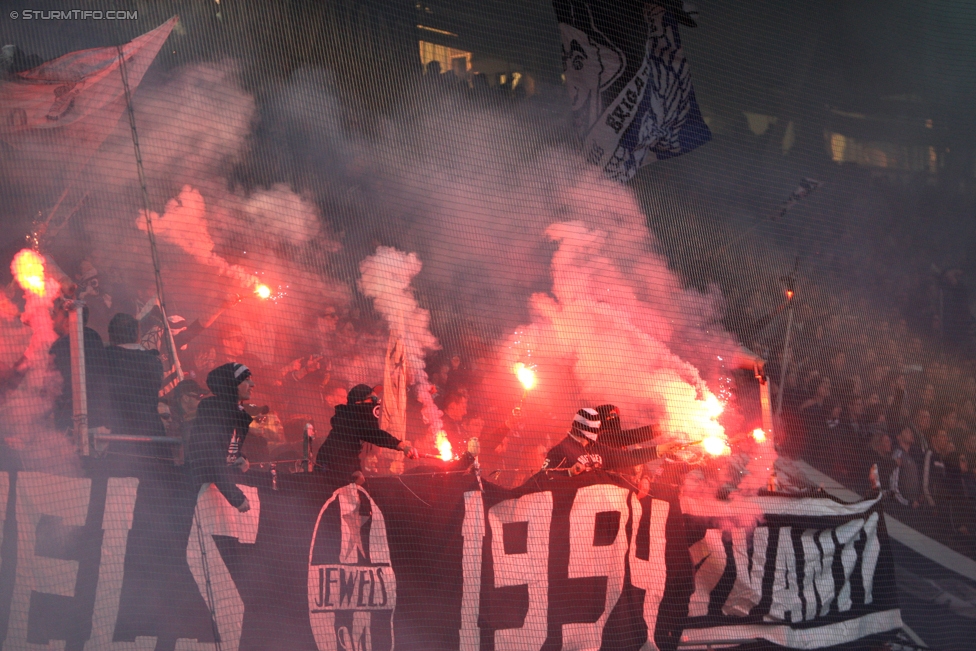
<point x="28" y="269"/>
<point x="263" y="292"/>
<point x="758" y="435"/>
<point x="525" y="375"/>
<point x="443" y="446"/>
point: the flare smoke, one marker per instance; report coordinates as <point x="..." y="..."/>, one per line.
<point x="386" y="277"/>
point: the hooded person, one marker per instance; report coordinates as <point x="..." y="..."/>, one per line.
<point x="581" y="452"/>
<point x="219" y="430"/>
<point x="353" y="424"/>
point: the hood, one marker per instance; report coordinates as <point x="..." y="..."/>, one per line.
<point x="223" y="380"/>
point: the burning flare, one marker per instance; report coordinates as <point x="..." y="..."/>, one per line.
<point x="443" y="446"/>
<point x="713" y="441"/>
<point x="758" y="435"/>
<point x="28" y="269"/>
<point x="263" y="292"/>
<point x="525" y="375"/>
<point x="715" y="446"/>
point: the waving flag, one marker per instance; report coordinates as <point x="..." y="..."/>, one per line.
<point x="633" y="101"/>
<point x="806" y="186"/>
<point x="69" y="105"/>
<point x="394" y="414"/>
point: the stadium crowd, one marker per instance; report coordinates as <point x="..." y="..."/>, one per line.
<point x="888" y="395"/>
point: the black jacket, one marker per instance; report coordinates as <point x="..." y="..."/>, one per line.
<point x="134" y="379"/>
<point x="569" y="451"/>
<point x="95" y="381"/>
<point x="217" y="436"/>
<point x="352" y="426"/>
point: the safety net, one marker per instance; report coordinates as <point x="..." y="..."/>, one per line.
<point x="362" y="325"/>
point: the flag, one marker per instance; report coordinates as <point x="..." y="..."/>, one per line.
<point x="394" y="416"/>
<point x="73" y="102"/>
<point x="806" y="187"/>
<point x="61" y="112"/>
<point x="164" y="335"/>
<point x="629" y="82"/>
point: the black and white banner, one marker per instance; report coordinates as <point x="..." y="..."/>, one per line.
<point x="814" y="573"/>
<point x="629" y="83"/>
<point x="429" y="561"/>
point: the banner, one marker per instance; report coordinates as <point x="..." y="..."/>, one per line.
<point x="426" y="561"/>
<point x="393" y="418"/>
<point x="81" y="89"/>
<point x="629" y="82"/>
<point x="58" y="114"/>
<point x="76" y="100"/>
<point x="814" y="573"/>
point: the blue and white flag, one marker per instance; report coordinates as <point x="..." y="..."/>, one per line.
<point x="627" y="76"/>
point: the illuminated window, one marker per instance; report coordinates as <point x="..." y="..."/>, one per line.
<point x="838" y="145"/>
<point x="909" y="158"/>
<point x="759" y="123"/>
<point x="449" y="57"/>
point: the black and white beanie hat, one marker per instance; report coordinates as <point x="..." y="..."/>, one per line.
<point x="586" y="423"/>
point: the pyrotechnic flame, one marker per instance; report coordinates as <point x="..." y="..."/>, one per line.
<point x="263" y="292"/>
<point x="713" y="407"/>
<point x="28" y="269"/>
<point x="525" y="375"/>
<point x="758" y="435"/>
<point x="715" y="446"/>
<point x="709" y="433"/>
<point x="443" y="446"/>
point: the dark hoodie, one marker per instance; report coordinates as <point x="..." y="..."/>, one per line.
<point x="218" y="433"/>
<point x="352" y="426"/>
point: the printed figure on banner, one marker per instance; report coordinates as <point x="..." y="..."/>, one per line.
<point x="351" y="585"/>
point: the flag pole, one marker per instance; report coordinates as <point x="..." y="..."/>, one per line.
<point x="79" y="384"/>
<point x="787" y="351"/>
<point x="168" y="332"/>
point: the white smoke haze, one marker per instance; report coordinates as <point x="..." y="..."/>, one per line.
<point x="185" y="224"/>
<point x="616" y="344"/>
<point x="508" y="228"/>
<point x="193" y="126"/>
<point x="214" y="238"/>
<point x="386" y="277"/>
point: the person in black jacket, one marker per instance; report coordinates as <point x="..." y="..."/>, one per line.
<point x="612" y="434"/>
<point x="354" y="423"/>
<point x="580" y="451"/>
<point x="219" y="430"/>
<point x="95" y="371"/>
<point x="134" y="378"/>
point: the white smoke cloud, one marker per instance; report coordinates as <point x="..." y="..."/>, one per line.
<point x="386" y="277"/>
<point x="615" y="344"/>
<point x="514" y="232"/>
<point x="185" y="224"/>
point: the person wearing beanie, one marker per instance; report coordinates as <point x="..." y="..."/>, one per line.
<point x="581" y="452"/>
<point x="354" y="423"/>
<point x="219" y="430"/>
<point x="611" y="433"/>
